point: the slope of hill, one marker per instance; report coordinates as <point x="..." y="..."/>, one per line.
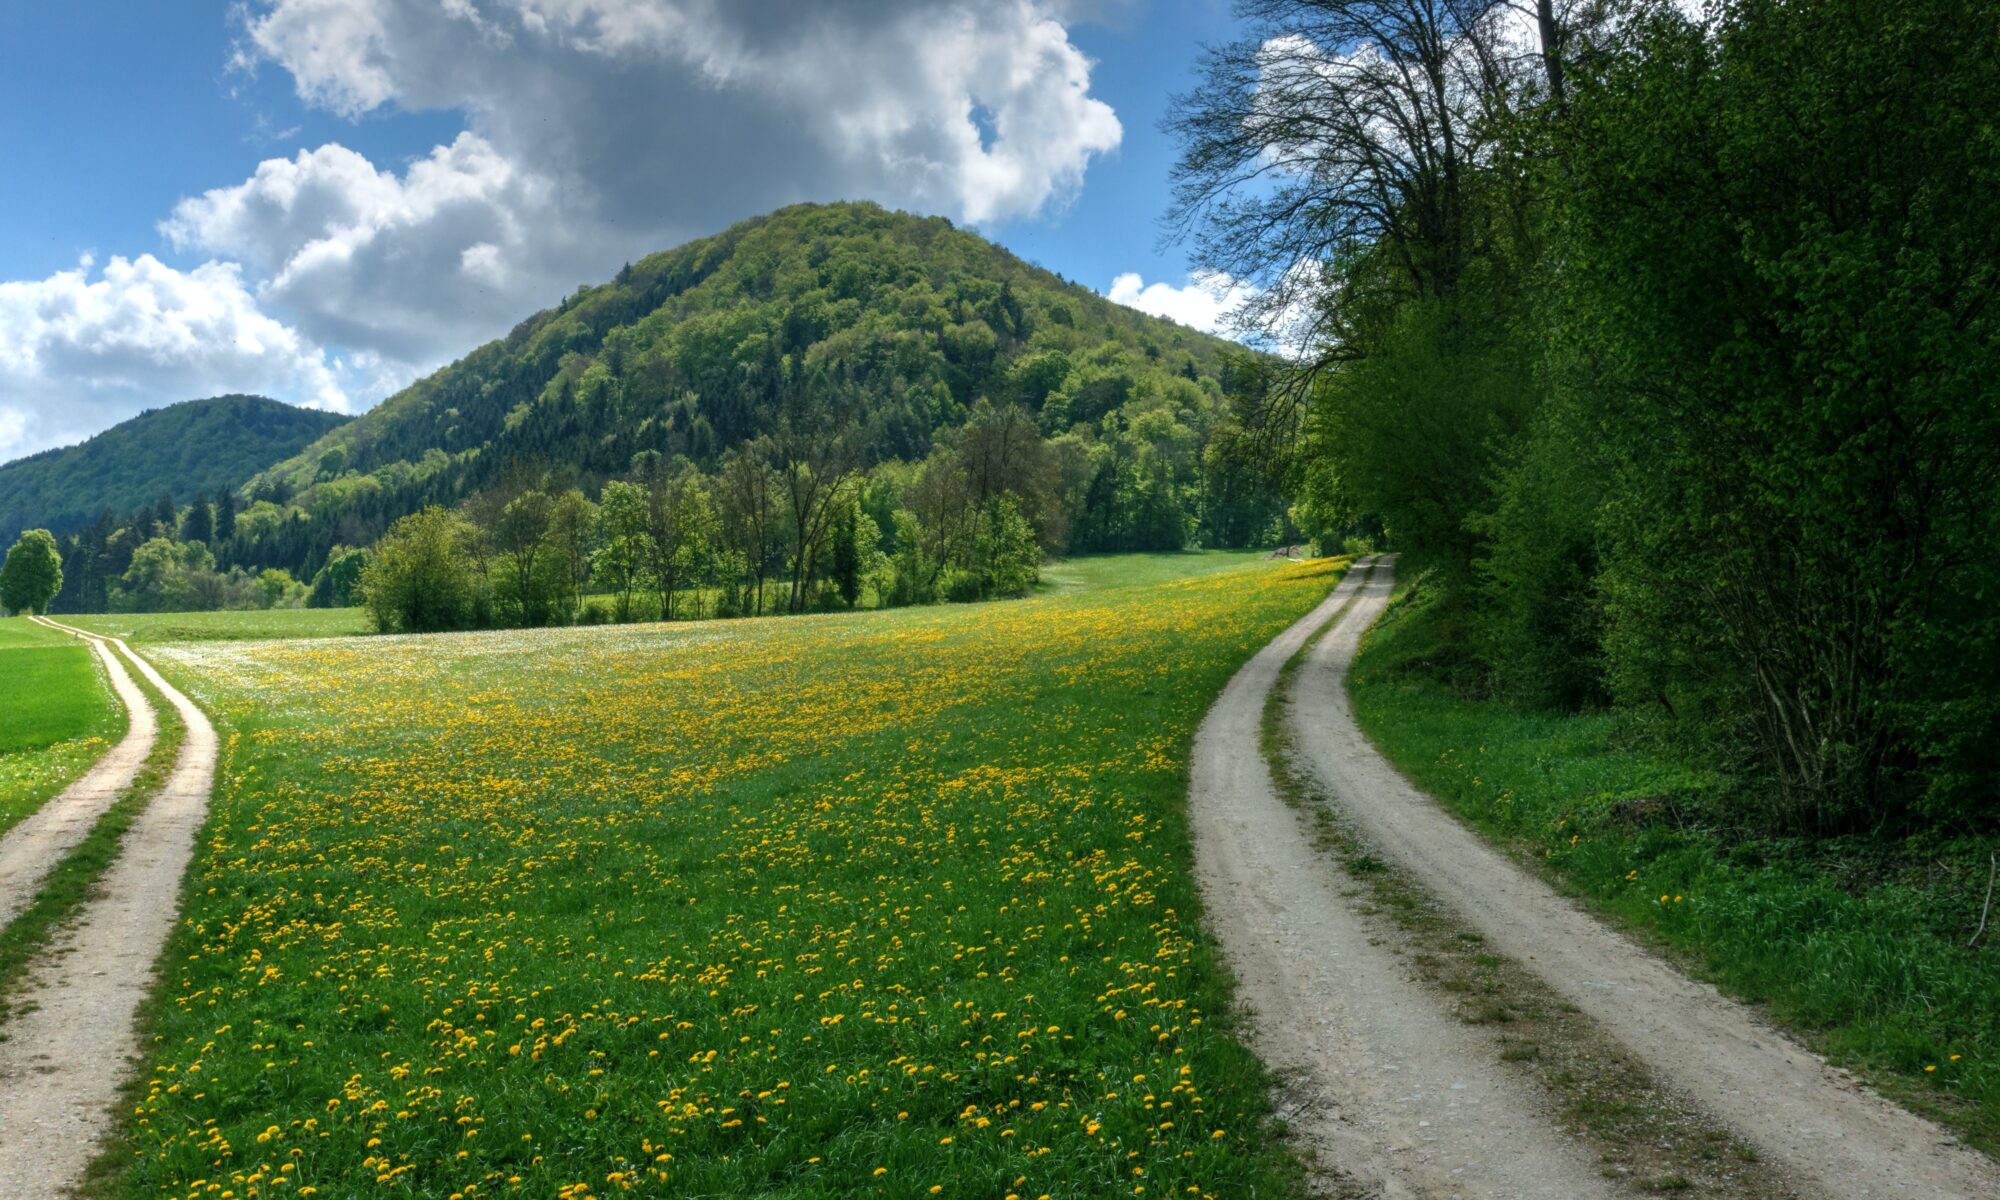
<point x="888" y="325"/>
<point x="208" y="445"/>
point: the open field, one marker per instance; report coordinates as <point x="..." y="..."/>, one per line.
<point x="1127" y="570"/>
<point x="56" y="715"/>
<point x="886" y="904"/>
<point x="1863" y="949"/>
<point x="232" y="626"/>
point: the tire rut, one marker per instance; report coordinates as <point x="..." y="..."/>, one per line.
<point x="1396" y="1094"/>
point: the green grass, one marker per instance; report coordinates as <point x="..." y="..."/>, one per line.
<point x="1861" y="946"/>
<point x="235" y="626"/>
<point x="57" y="715"/>
<point x="1094" y="571"/>
<point x="879" y="904"/>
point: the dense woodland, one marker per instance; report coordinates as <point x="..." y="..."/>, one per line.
<point x="852" y="405"/>
<point x="207" y="446"/>
<point x="1665" y="346"/>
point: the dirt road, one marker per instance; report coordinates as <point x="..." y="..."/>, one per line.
<point x="1387" y="1086"/>
<point x="64" y="1058"/>
<point x="38" y="842"/>
<point x="1825" y="1133"/>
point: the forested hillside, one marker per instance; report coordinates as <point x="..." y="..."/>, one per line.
<point x="198" y="446"/>
<point x="850" y="320"/>
<point x="838" y="397"/>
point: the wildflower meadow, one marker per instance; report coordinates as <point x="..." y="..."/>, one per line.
<point x="889" y="904"/>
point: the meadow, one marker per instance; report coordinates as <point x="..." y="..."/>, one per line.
<point x="1862" y="946"/>
<point x="886" y="904"/>
<point x="57" y="715"/>
<point x="230" y="625"/>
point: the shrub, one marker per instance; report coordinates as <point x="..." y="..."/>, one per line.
<point x="424" y="577"/>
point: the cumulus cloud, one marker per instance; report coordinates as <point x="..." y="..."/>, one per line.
<point x="407" y="267"/>
<point x="86" y="347"/>
<point x="1206" y="302"/>
<point x="596" y="131"/>
<point x="602" y="130"/>
<point x="698" y="112"/>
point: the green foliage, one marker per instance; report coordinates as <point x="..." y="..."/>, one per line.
<point x="334" y="586"/>
<point x="169" y="576"/>
<point x="199" y="446"/>
<point x="1411" y="432"/>
<point x="32" y="573"/>
<point x="1682" y="385"/>
<point x="423" y="576"/>
<point x="1544" y="622"/>
<point x="1795" y="390"/>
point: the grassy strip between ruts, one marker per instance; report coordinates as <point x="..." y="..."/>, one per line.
<point x="1858" y="945"/>
<point x="70" y="883"/>
<point x="1648" y="1137"/>
<point x="891" y="904"/>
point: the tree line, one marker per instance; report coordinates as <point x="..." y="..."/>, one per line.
<point x="788" y="522"/>
<point x="1662" y="344"/>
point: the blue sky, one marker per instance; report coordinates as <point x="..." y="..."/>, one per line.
<point x="321" y="199"/>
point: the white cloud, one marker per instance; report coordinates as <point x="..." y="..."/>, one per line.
<point x="686" y="114"/>
<point x="414" y="269"/>
<point x="1205" y="302"/>
<point x="85" y="348"/>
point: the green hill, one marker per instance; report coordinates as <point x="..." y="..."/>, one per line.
<point x="208" y="445"/>
<point x="892" y="327"/>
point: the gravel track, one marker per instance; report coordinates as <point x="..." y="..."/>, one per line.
<point x="1392" y="1091"/>
<point x="32" y="848"/>
<point x="64" y="1058"/>
<point x="1821" y="1128"/>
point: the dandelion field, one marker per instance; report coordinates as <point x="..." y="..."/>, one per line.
<point x="890" y="904"/>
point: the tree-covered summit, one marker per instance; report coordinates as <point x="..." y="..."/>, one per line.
<point x="882" y="326"/>
<point x="180" y="450"/>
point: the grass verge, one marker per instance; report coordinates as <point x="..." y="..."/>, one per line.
<point x="57" y="715"/>
<point x="1858" y="945"/>
<point x="1648" y="1137"/>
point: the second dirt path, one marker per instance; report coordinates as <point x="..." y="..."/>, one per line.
<point x="64" y="1058"/>
<point x="32" y="848"/>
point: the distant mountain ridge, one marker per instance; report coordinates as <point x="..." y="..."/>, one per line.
<point x="210" y="446"/>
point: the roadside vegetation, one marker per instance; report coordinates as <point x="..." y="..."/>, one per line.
<point x="888" y="903"/>
<point x="1666" y="349"/>
<point x="57" y="715"/>
<point x="1865" y="943"/>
